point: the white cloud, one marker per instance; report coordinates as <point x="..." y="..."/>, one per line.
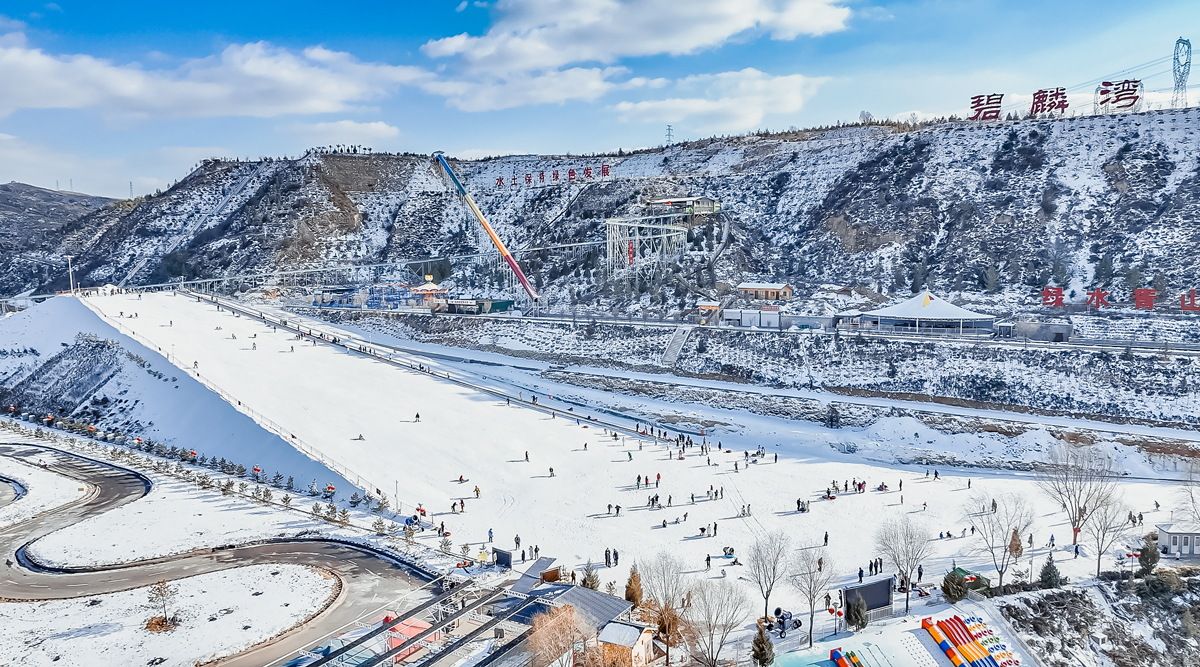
<point x="256" y="79"/>
<point x="728" y="101"/>
<point x="346" y="132"/>
<point x="461" y="6"/>
<point x="553" y="87"/>
<point x="535" y="35"/>
<point x="40" y="165"/>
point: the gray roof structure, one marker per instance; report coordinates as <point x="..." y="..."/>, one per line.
<point x="622" y="633"/>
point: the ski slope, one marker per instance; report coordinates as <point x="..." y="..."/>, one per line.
<point x="329" y="397"/>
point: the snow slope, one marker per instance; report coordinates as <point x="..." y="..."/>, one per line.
<point x="220" y="613"/>
<point x="143" y="394"/>
<point x="330" y="397"/>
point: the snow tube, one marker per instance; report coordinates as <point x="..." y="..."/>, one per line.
<point x="967" y="644"/>
<point x="838" y="658"/>
<point x="854" y="660"/>
<point x="943" y="643"/>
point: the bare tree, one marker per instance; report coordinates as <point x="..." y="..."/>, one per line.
<point x="906" y="543"/>
<point x="1105" y="524"/>
<point x="995" y="527"/>
<point x="812" y="572"/>
<point x="159" y="596"/>
<point x="1191" y="492"/>
<point x="767" y="563"/>
<point x="554" y="635"/>
<point x="718" y="607"/>
<point x="1079" y="481"/>
<point x="665" y="589"/>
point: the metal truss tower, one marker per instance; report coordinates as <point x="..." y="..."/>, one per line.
<point x="1182" y="66"/>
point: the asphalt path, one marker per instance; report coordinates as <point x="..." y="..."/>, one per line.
<point x="369" y="580"/>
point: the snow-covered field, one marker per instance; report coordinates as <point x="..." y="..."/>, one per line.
<point x="220" y="613"/>
<point x="43" y="490"/>
<point x="330" y="397"/>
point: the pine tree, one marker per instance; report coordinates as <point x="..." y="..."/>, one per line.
<point x="277" y="480"/>
<point x="379" y="526"/>
<point x="355" y="499"/>
<point x="312" y="488"/>
<point x="954" y="587"/>
<point x="445" y="545"/>
<point x="286" y="500"/>
<point x="1148" y="558"/>
<point x="856" y="613"/>
<point x="291" y="484"/>
<point x="633" y="587"/>
<point x="762" y="651"/>
<point x="1050" y="576"/>
<point x="383" y="505"/>
<point x="590" y="578"/>
<point x="344" y="517"/>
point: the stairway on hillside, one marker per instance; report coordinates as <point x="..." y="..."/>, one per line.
<point x="676" y="345"/>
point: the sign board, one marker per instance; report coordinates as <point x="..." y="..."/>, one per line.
<point x="771" y="308"/>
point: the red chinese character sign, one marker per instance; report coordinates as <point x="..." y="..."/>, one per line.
<point x="986" y="107"/>
<point x="587" y="172"/>
<point x="499" y="181"/>
<point x="1119" y="96"/>
<point x="604" y="170"/>
<point x="1188" y="301"/>
<point x="1144" y="298"/>
<point x="528" y="179"/>
<point x="570" y="174"/>
<point x="1049" y="100"/>
<point x="1052" y="296"/>
<point x="1097" y="298"/>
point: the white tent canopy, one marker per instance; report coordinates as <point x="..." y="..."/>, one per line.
<point x="926" y="306"/>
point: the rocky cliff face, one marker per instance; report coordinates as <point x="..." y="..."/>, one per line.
<point x="997" y="209"/>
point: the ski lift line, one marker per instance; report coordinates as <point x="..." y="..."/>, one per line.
<point x="470" y="636"/>
<point x="512" y="263"/>
<point x="388" y="655"/>
<point x="406" y="616"/>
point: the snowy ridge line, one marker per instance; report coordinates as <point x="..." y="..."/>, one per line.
<point x="354" y="478"/>
<point x="29" y="561"/>
<point x="365" y="348"/>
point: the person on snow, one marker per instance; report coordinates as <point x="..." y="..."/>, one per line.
<point x="552" y="472"/>
<point x="489" y="534"/>
<point x="418" y="418"/>
<point x="827" y="538"/>
<point x="527" y="456"/>
<point x="610" y="508"/>
<point x="607" y="558"/>
<point x="860" y="575"/>
<point x="477" y="492"/>
<point x="707" y="563"/>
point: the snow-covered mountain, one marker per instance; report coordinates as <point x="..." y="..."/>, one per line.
<point x="1001" y="208"/>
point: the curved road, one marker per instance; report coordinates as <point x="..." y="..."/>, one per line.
<point x="369" y="580"/>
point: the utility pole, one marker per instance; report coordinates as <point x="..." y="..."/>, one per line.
<point x="670" y="135"/>
<point x="71" y="273"/>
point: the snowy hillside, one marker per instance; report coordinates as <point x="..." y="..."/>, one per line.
<point x="64" y="360"/>
<point x="998" y="208"/>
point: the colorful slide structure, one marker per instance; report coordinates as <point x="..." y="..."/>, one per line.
<point x="512" y="263"/>
<point x="844" y="659"/>
<point x="962" y="646"/>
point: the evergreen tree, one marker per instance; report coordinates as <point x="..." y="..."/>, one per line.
<point x="591" y="579"/>
<point x="379" y="526"/>
<point x="954" y="587"/>
<point x="312" y="488"/>
<point x="1148" y="558"/>
<point x="633" y="587"/>
<point x="856" y="613"/>
<point x="1050" y="576"/>
<point x="355" y="499"/>
<point x="1104" y="271"/>
<point x="383" y="505"/>
<point x="277" y="480"/>
<point x="291" y="484"/>
<point x="991" y="278"/>
<point x="762" y="651"/>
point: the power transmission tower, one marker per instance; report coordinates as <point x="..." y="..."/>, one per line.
<point x="1182" y="66"/>
<point x="670" y="137"/>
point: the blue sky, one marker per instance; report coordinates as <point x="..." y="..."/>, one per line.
<point x="103" y="94"/>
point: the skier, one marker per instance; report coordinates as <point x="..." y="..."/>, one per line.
<point x="630" y="455"/>
<point x="293" y="348"/>
<point x="477" y="492"/>
<point x="195" y="365"/>
<point x="827" y="538"/>
<point x="418" y="417"/>
<point x="253" y="346"/>
<point x="610" y="508"/>
<point x="618" y="509"/>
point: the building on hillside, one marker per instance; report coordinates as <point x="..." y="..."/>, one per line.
<point x="1179" y="538"/>
<point x="627" y="644"/>
<point x="765" y="291"/>
<point x="924" y="314"/>
<point x="1054" y="332"/>
<point x="687" y="205"/>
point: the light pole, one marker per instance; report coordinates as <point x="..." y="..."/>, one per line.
<point x="71" y="272"/>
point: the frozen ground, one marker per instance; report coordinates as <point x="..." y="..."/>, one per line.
<point x="330" y="397"/>
<point x="220" y="613"/>
<point x="43" y="490"/>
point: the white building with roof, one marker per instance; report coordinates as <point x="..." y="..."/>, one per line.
<point x="765" y="291"/>
<point x="1179" y="538"/>
<point x="926" y="313"/>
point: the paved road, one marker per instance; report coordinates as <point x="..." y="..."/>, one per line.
<point x="369" y="580"/>
<point x="7" y="493"/>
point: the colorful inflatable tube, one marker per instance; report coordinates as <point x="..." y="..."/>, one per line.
<point x="972" y="651"/>
<point x="839" y="658"/>
<point x="943" y="643"/>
